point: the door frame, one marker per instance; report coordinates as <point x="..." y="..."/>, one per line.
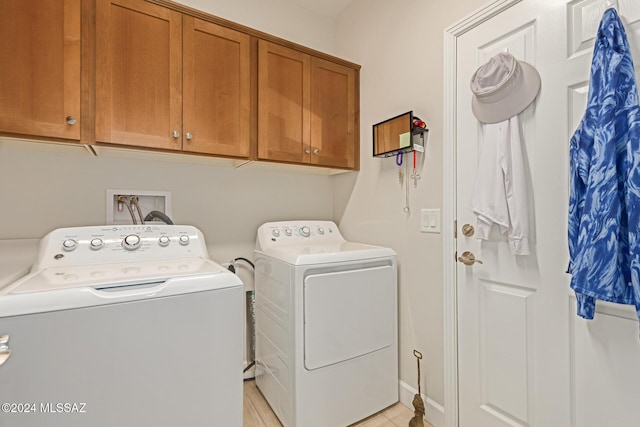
<point x="450" y="282"/>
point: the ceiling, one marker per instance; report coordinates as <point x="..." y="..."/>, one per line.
<point x="329" y="8"/>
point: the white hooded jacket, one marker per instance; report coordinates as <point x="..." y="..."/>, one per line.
<point x="500" y="190"/>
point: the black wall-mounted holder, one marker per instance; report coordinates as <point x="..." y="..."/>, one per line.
<point x="400" y="134"/>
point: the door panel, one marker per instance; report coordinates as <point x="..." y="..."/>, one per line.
<point x="333" y="111"/>
<point x="40" y="72"/>
<point x="525" y="358"/>
<point x="216" y="89"/>
<point x="604" y="350"/>
<point x="138" y="74"/>
<point x="283" y="104"/>
<point x="504" y="348"/>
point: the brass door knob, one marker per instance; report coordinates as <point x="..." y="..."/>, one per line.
<point x="468" y="230"/>
<point x="468" y="258"/>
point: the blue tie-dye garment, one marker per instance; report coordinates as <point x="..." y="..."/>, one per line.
<point x="604" y="205"/>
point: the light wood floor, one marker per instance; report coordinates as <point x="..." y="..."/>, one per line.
<point x="257" y="412"/>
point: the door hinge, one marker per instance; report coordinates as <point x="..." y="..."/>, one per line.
<point x="455" y="228"/>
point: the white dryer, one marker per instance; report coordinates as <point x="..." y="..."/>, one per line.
<point x="326" y="324"/>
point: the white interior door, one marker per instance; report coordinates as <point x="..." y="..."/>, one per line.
<point x="524" y="357"/>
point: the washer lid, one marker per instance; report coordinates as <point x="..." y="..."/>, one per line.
<point x="48" y="290"/>
<point x="111" y="275"/>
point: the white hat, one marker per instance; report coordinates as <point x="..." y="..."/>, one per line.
<point x="503" y="88"/>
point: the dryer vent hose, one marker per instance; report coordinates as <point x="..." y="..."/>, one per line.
<point x="158" y="215"/>
<point x="251" y="326"/>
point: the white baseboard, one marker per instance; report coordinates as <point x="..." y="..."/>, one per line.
<point x="250" y="373"/>
<point x="434" y="411"/>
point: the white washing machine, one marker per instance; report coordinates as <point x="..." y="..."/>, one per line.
<point x="326" y="324"/>
<point x="122" y="326"/>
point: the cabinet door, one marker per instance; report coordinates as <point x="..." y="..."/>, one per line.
<point x="138" y="74"/>
<point x="40" y="71"/>
<point x="217" y="84"/>
<point x="283" y="104"/>
<point x="333" y="114"/>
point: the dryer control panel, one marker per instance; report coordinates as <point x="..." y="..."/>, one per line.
<point x="285" y="233"/>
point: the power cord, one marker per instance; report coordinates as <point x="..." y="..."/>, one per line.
<point x="232" y="264"/>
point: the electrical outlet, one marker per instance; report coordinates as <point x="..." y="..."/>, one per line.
<point x="119" y="204"/>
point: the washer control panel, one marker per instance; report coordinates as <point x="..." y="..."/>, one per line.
<point x="112" y="244"/>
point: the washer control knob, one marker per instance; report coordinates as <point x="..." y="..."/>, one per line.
<point x="320" y="231"/>
<point x="275" y="232"/>
<point x="184" y="240"/>
<point x="164" y="241"/>
<point x="131" y="242"/>
<point x="287" y="231"/>
<point x="96" y="243"/>
<point x="304" y="231"/>
<point x="69" y="245"/>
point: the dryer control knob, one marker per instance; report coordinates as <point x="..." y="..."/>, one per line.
<point x="320" y="231"/>
<point x="69" y="245"/>
<point x="287" y="231"/>
<point x="304" y="231"/>
<point x="164" y="241"/>
<point x="131" y="242"/>
<point x="184" y="240"/>
<point x="275" y="232"/>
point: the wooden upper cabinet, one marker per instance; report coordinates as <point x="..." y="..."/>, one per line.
<point x="40" y="71"/>
<point x="217" y="85"/>
<point x="138" y="74"/>
<point x="307" y="109"/>
<point x="333" y="114"/>
<point x="159" y="75"/>
<point x="283" y="104"/>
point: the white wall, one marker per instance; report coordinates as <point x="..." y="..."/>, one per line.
<point x="400" y="47"/>
<point x="46" y="186"/>
<point x="280" y="18"/>
<point x="49" y="186"/>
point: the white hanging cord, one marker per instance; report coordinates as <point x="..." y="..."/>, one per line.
<point x="406" y="189"/>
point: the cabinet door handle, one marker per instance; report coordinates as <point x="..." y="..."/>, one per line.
<point x="316" y="151"/>
<point x="308" y="150"/>
<point x="189" y="136"/>
<point x="175" y="134"/>
<point x="71" y="120"/>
